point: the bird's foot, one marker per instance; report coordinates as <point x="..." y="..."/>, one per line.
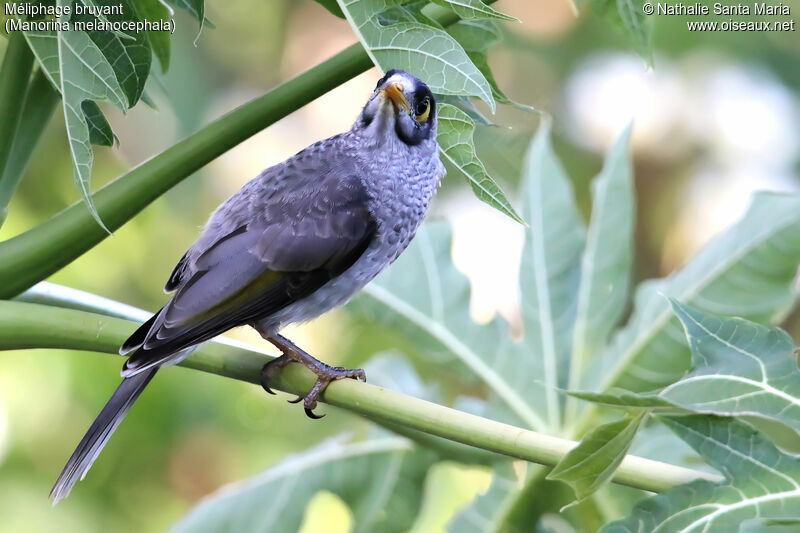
<point x="325" y="373"/>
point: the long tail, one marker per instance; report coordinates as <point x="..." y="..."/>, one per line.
<point x="99" y="432"/>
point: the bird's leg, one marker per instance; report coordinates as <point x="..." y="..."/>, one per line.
<point x="325" y="373"/>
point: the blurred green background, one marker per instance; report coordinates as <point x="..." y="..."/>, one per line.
<point x="715" y="119"/>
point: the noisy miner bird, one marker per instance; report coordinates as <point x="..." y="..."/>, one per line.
<point x="298" y="240"/>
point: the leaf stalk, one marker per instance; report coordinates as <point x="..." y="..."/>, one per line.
<point x="14" y="75"/>
<point x="40" y="102"/>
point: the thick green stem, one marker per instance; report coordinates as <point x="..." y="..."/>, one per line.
<point x="14" y="76"/>
<point x="25" y="326"/>
<point x="40" y="101"/>
<point x="37" y="253"/>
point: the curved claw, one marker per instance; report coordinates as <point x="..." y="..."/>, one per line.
<point x="264" y="380"/>
<point x="310" y="414"/>
<point x="296" y="400"/>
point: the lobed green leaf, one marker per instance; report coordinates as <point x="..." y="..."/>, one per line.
<point x="80" y="71"/>
<point x="739" y="368"/>
<point x="378" y="479"/>
<point x="426" y="51"/>
<point x="605" y="263"/>
<point x="746" y="271"/>
<point x="591" y="464"/>
<point x="761" y="482"/>
<point x="455" y="130"/>
<point x="550" y="266"/>
<point x="99" y="129"/>
<point x="426" y="298"/>
<point x="129" y="54"/>
<point x="487" y="512"/>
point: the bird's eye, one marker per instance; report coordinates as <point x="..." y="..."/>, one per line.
<point x="423" y="109"/>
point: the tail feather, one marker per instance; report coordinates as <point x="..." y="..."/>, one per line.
<point x="138" y="337"/>
<point x="99" y="432"/>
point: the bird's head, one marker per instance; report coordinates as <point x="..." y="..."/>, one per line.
<point x="401" y="105"/>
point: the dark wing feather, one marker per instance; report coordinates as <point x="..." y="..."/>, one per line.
<point x="177" y="274"/>
<point x="293" y="245"/>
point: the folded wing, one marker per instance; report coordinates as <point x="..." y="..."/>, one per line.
<point x="291" y="243"/>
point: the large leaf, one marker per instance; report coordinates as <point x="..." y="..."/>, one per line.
<point x="458" y="147"/>
<point x="128" y="53"/>
<point x="378" y="479"/>
<point x="746" y="271"/>
<point x="80" y="71"/>
<point x="606" y="261"/>
<point x="740" y="368"/>
<point x="761" y="482"/>
<point x="99" y="129"/>
<point x="592" y="463"/>
<point x="423" y="50"/>
<point x="487" y="512"/>
<point x="92" y="65"/>
<point x="424" y="297"/>
<point x="550" y="266"/>
<point x="523" y="377"/>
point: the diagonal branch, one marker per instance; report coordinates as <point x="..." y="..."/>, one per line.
<point x="28" y="326"/>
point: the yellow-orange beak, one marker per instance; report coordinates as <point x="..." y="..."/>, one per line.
<point x="394" y="92"/>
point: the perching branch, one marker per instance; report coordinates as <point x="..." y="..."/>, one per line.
<point x="27" y="326"/>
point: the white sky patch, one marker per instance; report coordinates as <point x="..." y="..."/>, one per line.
<point x="749" y="117"/>
<point x="735" y="123"/>
<point x="608" y="91"/>
<point x="487" y="248"/>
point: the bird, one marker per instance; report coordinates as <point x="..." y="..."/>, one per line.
<point x="301" y="238"/>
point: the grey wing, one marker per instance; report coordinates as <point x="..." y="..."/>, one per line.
<point x="295" y="240"/>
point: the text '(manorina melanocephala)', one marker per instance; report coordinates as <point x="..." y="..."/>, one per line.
<point x="298" y="240"/>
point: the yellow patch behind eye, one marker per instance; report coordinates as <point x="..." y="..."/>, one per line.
<point x="424" y="116"/>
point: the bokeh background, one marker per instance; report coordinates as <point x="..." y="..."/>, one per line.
<point x="715" y="119"/>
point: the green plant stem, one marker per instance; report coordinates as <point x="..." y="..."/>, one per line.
<point x="34" y="255"/>
<point x="40" y="102"/>
<point x="14" y="76"/>
<point x="26" y="326"/>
